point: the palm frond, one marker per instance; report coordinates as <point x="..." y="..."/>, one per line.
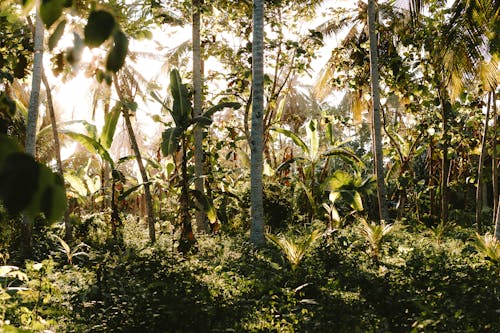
<point x="489" y="247"/>
<point x="295" y="250"/>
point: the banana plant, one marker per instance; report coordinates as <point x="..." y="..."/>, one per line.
<point x="100" y="144"/>
<point x="313" y="166"/>
<point x="175" y="140"/>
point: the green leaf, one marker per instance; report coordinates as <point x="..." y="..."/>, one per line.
<point x="56" y="35"/>
<point x="206" y="203"/>
<point x="77" y="184"/>
<point x="109" y="128"/>
<point x="206" y="118"/>
<point x="181" y="108"/>
<point x="170" y="140"/>
<point x="338" y="181"/>
<point x="298" y="141"/>
<point x="91" y="145"/>
<point x="100" y="25"/>
<point x="13" y="329"/>
<point x="19" y="175"/>
<point x="117" y="55"/>
<point x="313" y="137"/>
<point x="50" y="198"/>
<point x="50" y="11"/>
<point x="128" y="192"/>
<point x="357" y="202"/>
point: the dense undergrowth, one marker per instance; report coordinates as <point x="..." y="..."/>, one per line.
<point x="420" y="280"/>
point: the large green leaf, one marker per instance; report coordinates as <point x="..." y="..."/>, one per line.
<point x="30" y="187"/>
<point x="91" y="145"/>
<point x="344" y="153"/>
<point x="298" y="141"/>
<point x="100" y="25"/>
<point x="206" y="204"/>
<point x="170" y="140"/>
<point x="77" y="184"/>
<point x="338" y="181"/>
<point x="109" y="128"/>
<point x="56" y="35"/>
<point x="117" y="55"/>
<point x="221" y="106"/>
<point x="19" y="174"/>
<point x="206" y="118"/>
<point x="50" y="11"/>
<point x="182" y="108"/>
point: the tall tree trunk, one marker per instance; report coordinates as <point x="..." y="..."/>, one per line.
<point x="30" y="144"/>
<point x="494" y="159"/>
<point x="479" y="189"/>
<point x="50" y="106"/>
<point x="201" y="225"/>
<point x="497" y="223"/>
<point x="376" y="121"/>
<point x="187" y="239"/>
<point x="445" y="162"/>
<point x="256" y="142"/>
<point x="138" y="157"/>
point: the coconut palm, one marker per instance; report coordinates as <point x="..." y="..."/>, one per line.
<point x="257" y="236"/>
<point x="197" y="108"/>
<point x="30" y="145"/>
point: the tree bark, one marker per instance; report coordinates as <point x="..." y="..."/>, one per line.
<point x="376" y="121"/>
<point x="494" y="159"/>
<point x="479" y="189"/>
<point x="138" y="157"/>
<point x="256" y="142"/>
<point x="201" y="224"/>
<point x="445" y="162"/>
<point x="497" y="223"/>
<point x="31" y="126"/>
<point x="57" y="146"/>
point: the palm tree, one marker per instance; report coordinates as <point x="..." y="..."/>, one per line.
<point x="57" y="148"/>
<point x="34" y="103"/>
<point x="147" y="193"/>
<point x="376" y="122"/>
<point x="197" y="109"/>
<point x="257" y="236"/>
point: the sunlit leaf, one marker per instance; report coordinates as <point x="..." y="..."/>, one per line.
<point x="56" y="35"/>
<point x="206" y="204"/>
<point x="298" y="141"/>
<point x="108" y="130"/>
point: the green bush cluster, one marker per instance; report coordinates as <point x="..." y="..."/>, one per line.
<point x="417" y="284"/>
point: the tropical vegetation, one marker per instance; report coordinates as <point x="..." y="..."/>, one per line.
<point x="249" y="166"/>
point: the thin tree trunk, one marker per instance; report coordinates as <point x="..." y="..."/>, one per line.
<point x="256" y="142"/>
<point x="445" y="162"/>
<point x="50" y="106"/>
<point x="30" y="144"/>
<point x="377" y="131"/>
<point x="138" y="157"/>
<point x="497" y="223"/>
<point x="479" y="189"/>
<point x="187" y="239"/>
<point x="201" y="225"/>
<point x="494" y="159"/>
